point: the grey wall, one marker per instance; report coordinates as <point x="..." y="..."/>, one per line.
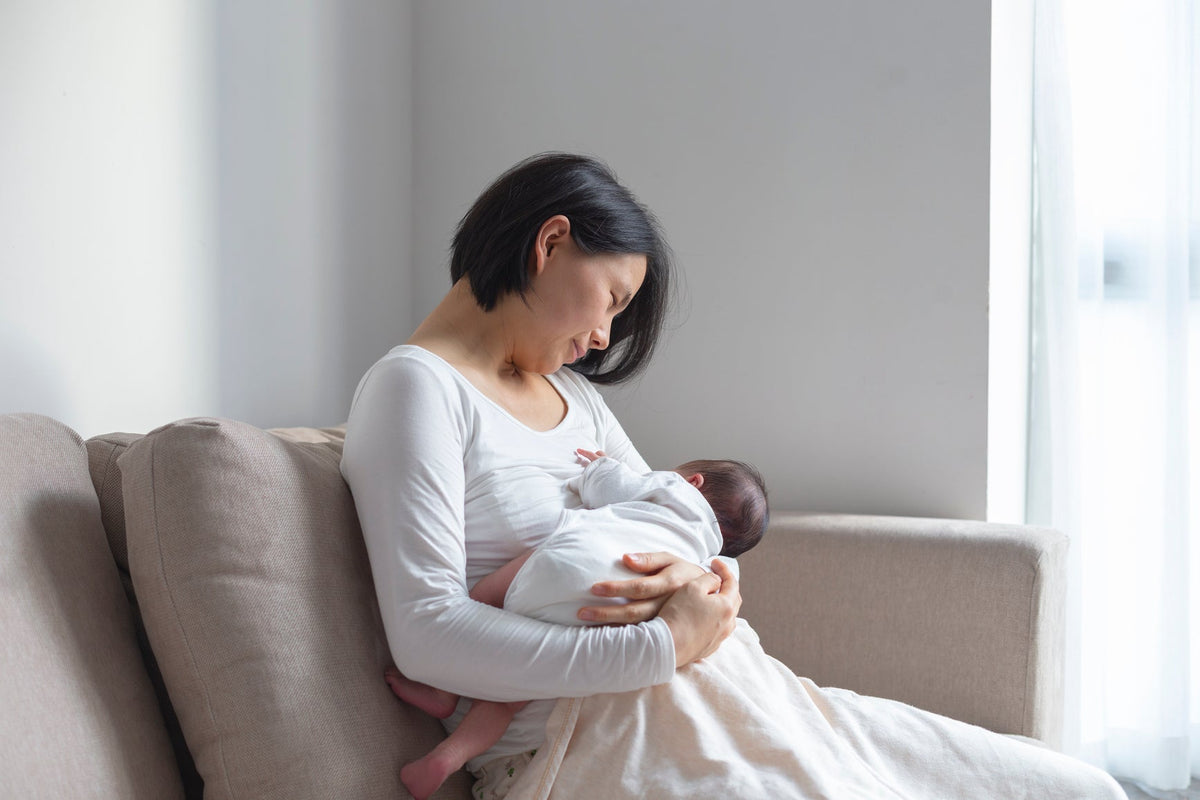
<point x="226" y="208"/>
<point x="206" y="207"/>
<point x="822" y="172"/>
<point x="106" y="319"/>
<point x="311" y="121"/>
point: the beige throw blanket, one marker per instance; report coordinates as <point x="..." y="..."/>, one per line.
<point x="739" y="724"/>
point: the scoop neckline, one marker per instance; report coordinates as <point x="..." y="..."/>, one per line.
<point x="553" y="379"/>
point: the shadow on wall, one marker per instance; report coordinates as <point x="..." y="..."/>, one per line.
<point x="311" y="158"/>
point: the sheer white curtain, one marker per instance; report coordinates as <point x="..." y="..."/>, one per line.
<point x="1114" y="446"/>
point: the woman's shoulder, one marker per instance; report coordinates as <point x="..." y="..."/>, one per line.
<point x="411" y="359"/>
<point x="409" y="370"/>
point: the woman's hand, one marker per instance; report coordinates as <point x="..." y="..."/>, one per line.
<point x="664" y="574"/>
<point x="699" y="607"/>
<point x="703" y="613"/>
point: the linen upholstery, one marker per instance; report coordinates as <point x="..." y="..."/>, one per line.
<point x="828" y="593"/>
<point x="964" y="619"/>
<point x="79" y="715"/>
<point x="254" y="585"/>
<point x="103" y="454"/>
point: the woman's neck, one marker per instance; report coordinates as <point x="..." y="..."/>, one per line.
<point x="465" y="335"/>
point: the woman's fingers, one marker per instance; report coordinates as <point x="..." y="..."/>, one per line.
<point x="702" y="614"/>
<point x="730" y="595"/>
<point x="730" y="587"/>
<point x="716" y="597"/>
<point x="649" y="562"/>
<point x="664" y="574"/>
<point x="625" y="614"/>
<point x="635" y="589"/>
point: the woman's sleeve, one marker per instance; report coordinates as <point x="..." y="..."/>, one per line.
<point x="403" y="460"/>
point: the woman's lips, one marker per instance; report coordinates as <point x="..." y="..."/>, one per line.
<point x="579" y="351"/>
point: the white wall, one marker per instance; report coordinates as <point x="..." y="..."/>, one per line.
<point x="822" y="172"/>
<point x="206" y="207"/>
<point x="106" y="313"/>
<point x="312" y="130"/>
<point x="225" y="208"/>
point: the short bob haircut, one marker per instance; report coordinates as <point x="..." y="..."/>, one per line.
<point x="493" y="243"/>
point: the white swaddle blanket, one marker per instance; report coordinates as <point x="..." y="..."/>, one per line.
<point x="623" y="512"/>
<point x="740" y="726"/>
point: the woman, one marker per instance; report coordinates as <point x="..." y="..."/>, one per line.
<point x="458" y="450"/>
<point x="459" y="444"/>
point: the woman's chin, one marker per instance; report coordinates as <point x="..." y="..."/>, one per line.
<point x="547" y="367"/>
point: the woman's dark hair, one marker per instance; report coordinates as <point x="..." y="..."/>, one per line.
<point x="738" y="495"/>
<point x="494" y="240"/>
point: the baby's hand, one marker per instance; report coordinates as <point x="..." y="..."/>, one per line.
<point x="587" y="456"/>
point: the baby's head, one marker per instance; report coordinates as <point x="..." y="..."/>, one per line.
<point x="737" y="493"/>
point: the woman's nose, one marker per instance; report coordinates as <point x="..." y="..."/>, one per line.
<point x="600" y="338"/>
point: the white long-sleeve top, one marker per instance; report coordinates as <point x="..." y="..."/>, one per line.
<point x="449" y="487"/>
<point x="622" y="511"/>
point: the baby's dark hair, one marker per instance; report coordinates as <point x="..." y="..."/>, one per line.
<point x="738" y="494"/>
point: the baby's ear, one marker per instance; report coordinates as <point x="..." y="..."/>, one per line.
<point x="695" y="479"/>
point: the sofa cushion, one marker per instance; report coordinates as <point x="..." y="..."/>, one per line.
<point x="103" y="452"/>
<point x="256" y="593"/>
<point x="80" y="717"/>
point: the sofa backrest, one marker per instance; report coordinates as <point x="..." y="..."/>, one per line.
<point x="103" y="453"/>
<point x="248" y="567"/>
<point x="80" y="716"/>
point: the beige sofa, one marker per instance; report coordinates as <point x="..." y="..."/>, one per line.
<point x="196" y="605"/>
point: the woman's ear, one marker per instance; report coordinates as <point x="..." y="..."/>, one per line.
<point x="549" y="236"/>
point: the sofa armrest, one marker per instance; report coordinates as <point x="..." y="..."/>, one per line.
<point x="960" y="618"/>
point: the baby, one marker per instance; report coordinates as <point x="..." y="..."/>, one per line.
<point x="699" y="510"/>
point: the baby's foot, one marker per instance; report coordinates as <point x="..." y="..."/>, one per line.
<point x="423" y="777"/>
<point x="432" y="701"/>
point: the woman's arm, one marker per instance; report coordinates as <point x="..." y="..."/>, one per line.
<point x="403" y="460"/>
<point x="695" y="632"/>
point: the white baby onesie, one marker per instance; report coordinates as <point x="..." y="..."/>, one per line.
<point x="622" y="512"/>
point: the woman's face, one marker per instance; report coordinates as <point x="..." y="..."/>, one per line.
<point x="572" y="301"/>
